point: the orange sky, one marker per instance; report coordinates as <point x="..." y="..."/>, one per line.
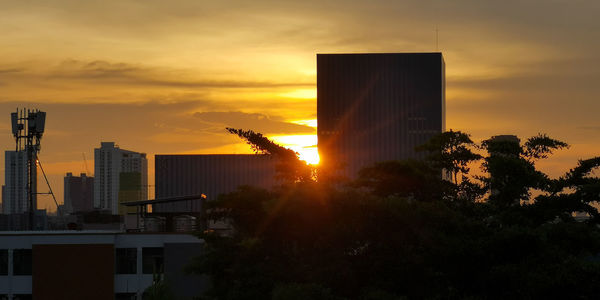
<point x="169" y="76"/>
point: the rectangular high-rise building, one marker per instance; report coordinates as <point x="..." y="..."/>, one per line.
<point x="377" y="107"/>
<point x="78" y="193"/>
<point x="14" y="196"/>
<point x="110" y="162"/>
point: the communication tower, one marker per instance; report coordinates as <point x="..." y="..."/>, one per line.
<point x="28" y="128"/>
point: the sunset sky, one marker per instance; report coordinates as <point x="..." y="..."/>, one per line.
<point x="168" y="76"/>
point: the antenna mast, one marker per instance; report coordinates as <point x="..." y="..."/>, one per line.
<point x="28" y="128"/>
<point x="436" y="39"/>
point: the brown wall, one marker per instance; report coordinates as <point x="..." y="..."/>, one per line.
<point x="73" y="272"/>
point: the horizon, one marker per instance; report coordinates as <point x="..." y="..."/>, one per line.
<point x="167" y="79"/>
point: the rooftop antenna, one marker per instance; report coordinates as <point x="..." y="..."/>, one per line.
<point x="436" y="39"/>
<point x="28" y="128"/>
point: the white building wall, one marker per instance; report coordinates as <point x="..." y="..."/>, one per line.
<point x="15" y="181"/>
<point x="109" y="162"/>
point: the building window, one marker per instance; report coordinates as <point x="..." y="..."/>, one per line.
<point x="125" y="296"/>
<point x="3" y="262"/>
<point x="22" y="262"/>
<point x="126" y="261"/>
<point x="152" y="260"/>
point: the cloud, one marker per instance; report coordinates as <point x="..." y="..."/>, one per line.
<point x="253" y="121"/>
<point x="593" y="128"/>
<point x="13" y="70"/>
<point x="137" y="71"/>
<point x="104" y="72"/>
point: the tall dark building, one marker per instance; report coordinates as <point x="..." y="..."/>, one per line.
<point x="79" y="193"/>
<point x="377" y="107"/>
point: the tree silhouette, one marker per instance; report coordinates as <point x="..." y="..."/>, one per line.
<point x="451" y="151"/>
<point x="393" y="234"/>
<point x="289" y="167"/>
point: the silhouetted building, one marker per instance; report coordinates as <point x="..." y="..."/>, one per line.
<point x="14" y="194"/>
<point x="78" y="193"/>
<point x="377" y="107"/>
<point x="110" y="163"/>
<point x="20" y="221"/>
<point x="96" y="264"/>
<point x="208" y="174"/>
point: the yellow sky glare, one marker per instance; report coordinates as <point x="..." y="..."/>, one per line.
<point x="168" y="77"/>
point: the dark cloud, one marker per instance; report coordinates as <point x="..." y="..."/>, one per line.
<point x="569" y="73"/>
<point x="76" y="128"/>
<point x="100" y="71"/>
<point x="254" y="121"/>
<point x="593" y="128"/>
<point x="12" y="70"/>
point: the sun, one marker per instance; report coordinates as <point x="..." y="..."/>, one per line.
<point x="310" y="155"/>
<point x="305" y="145"/>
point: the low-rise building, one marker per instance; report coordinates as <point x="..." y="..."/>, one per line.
<point x="96" y="264"/>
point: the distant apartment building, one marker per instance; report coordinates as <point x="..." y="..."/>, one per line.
<point x="111" y="164"/>
<point x="71" y="265"/>
<point x="209" y="174"/>
<point x="377" y="107"/>
<point x="14" y="193"/>
<point x="78" y="193"/>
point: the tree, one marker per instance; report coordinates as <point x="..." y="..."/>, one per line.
<point x="408" y="179"/>
<point x="289" y="167"/>
<point x="541" y="146"/>
<point x="576" y="192"/>
<point x="159" y="290"/>
<point x="511" y="167"/>
<point x="391" y="235"/>
<point x="451" y="151"/>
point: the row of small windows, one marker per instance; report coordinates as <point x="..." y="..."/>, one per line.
<point x="152" y="260"/>
<point x="324" y="132"/>
<point x="125" y="261"/>
<point x="21" y="262"/>
<point x="17" y="297"/>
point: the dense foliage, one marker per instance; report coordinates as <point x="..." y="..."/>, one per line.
<point x="399" y="231"/>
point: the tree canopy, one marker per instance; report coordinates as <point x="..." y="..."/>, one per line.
<point x="401" y="231"/>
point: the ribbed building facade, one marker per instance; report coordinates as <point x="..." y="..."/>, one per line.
<point x="210" y="174"/>
<point x="110" y="162"/>
<point x="377" y="107"/>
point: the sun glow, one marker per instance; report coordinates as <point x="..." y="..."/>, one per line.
<point x="301" y="94"/>
<point x="309" y="122"/>
<point x="305" y="145"/>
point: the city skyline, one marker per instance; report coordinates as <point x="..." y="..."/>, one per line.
<point x="167" y="79"/>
